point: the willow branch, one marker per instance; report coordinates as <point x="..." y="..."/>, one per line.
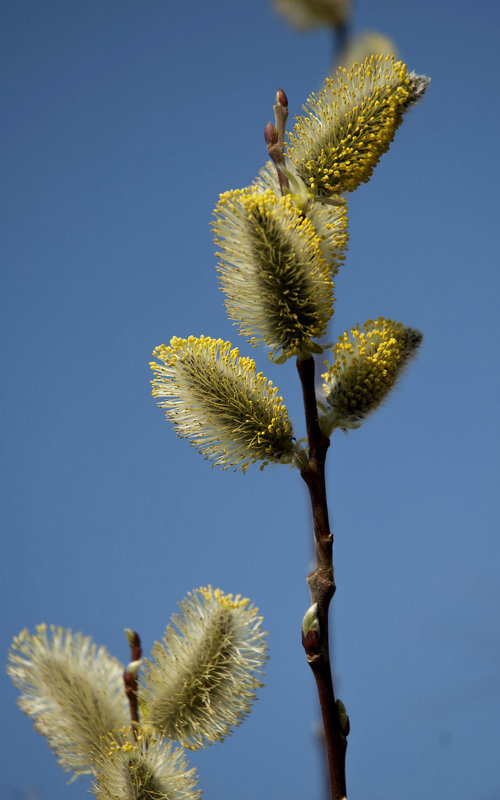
<point x="275" y="137"/>
<point x="130" y="676"/>
<point x="321" y="584"/>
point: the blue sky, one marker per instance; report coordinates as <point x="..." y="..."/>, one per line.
<point x="123" y="121"/>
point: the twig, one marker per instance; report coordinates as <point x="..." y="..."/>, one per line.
<point x="130" y="676"/>
<point x="321" y="584"/>
<point x="275" y="137"/>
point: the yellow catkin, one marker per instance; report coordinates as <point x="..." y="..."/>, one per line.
<point x="231" y="414"/>
<point x="273" y="271"/>
<point x="351" y="123"/>
<point x="202" y="677"/>
<point x="366" y="364"/>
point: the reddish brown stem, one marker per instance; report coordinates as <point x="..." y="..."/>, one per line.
<point x="321" y="583"/>
<point x="130" y="678"/>
<point x="275" y="137"/>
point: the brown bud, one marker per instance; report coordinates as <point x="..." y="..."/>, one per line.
<point x="270" y="134"/>
<point x="310" y="642"/>
<point x="134" y="642"/>
<point x="281" y="98"/>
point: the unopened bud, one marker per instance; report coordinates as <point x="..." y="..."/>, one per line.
<point x="133" y="668"/>
<point x="131" y="636"/>
<point x="134" y="642"/>
<point x="270" y="134"/>
<point x="345" y="725"/>
<point x="281" y="98"/>
<point x="310" y="633"/>
<point x="310" y="621"/>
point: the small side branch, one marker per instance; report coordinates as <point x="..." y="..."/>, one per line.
<point x="275" y="137"/>
<point x="321" y="584"/>
<point x="130" y="675"/>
